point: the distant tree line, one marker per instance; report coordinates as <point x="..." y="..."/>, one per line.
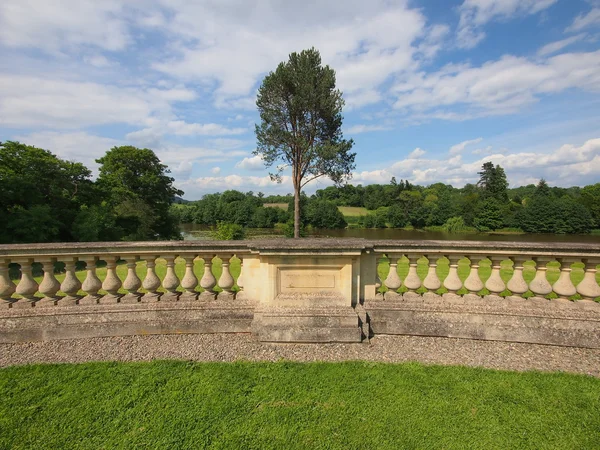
<point x="487" y="205"/>
<point x="46" y="199"/>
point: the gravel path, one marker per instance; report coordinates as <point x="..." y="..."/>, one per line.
<point x="231" y="347"/>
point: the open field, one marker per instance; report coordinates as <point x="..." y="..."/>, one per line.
<point x="283" y="206"/>
<point x="353" y="405"/>
<point x="353" y="211"/>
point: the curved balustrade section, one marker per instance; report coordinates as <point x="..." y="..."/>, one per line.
<point x="302" y="290"/>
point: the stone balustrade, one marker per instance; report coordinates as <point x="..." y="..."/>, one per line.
<point x="302" y="290"/>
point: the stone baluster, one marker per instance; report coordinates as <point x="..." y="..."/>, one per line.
<point x="564" y="287"/>
<point x="208" y="280"/>
<point x="540" y="285"/>
<point x="189" y="280"/>
<point x="49" y="285"/>
<point x="392" y="282"/>
<point x="226" y="282"/>
<point x="412" y="282"/>
<point x="432" y="282"/>
<point x="27" y="286"/>
<point x="132" y="282"/>
<point x="473" y="282"/>
<point x="92" y="284"/>
<point x="378" y="282"/>
<point x="71" y="284"/>
<point x="112" y="282"/>
<point x="517" y="284"/>
<point x="452" y="281"/>
<point x="240" y="295"/>
<point x="7" y="287"/>
<point x="151" y="281"/>
<point x="171" y="282"/>
<point x="588" y="287"/>
<point x="494" y="283"/>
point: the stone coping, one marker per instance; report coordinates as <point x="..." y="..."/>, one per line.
<point x="325" y="245"/>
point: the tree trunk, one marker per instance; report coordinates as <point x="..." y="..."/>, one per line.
<point x="297" y="211"/>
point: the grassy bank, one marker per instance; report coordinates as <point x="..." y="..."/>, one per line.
<point x="293" y="405"/>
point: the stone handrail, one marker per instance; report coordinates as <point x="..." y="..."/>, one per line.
<point x="310" y="290"/>
<point x="365" y="285"/>
<point x="497" y="252"/>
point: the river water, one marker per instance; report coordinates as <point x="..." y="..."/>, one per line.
<point x="193" y="232"/>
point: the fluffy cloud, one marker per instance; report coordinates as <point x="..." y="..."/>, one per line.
<point x="554" y="47"/>
<point x="566" y="166"/>
<point x="63" y="24"/>
<point x="458" y="148"/>
<point x="356" y="129"/>
<point x="28" y="101"/>
<point x="416" y="153"/>
<point x="366" y="42"/>
<point x="77" y="146"/>
<point x="585" y="20"/>
<point x="497" y="87"/>
<point x="476" y="13"/>
<point x="252" y="163"/>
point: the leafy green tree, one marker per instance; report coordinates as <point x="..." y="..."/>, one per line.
<point x="590" y="198"/>
<point x="301" y="119"/>
<point x="41" y="194"/>
<point x="489" y="215"/>
<point x="137" y="185"/>
<point x="397" y="217"/>
<point x="324" y="214"/>
<point x="493" y="183"/>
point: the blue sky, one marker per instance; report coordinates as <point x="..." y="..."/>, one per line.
<point x="433" y="88"/>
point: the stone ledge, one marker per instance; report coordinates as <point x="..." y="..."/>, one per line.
<point x="498" y="323"/>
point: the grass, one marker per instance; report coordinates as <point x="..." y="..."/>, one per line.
<point x="283" y="206"/>
<point x="353" y="211"/>
<point x="353" y="405"/>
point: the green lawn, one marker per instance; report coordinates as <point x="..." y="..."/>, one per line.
<point x="353" y="405"/>
<point x="353" y="211"/>
<point x="283" y="206"/>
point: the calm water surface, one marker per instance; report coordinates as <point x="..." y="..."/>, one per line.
<point x="192" y="232"/>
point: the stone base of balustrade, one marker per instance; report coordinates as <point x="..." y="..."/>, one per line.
<point x="87" y="321"/>
<point x="309" y="324"/>
<point x="512" y="319"/>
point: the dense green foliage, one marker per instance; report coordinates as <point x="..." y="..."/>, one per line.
<point x="47" y="199"/>
<point x="301" y="124"/>
<point x="228" y="232"/>
<point x="352" y="405"/>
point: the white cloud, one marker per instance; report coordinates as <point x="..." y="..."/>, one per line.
<point x="252" y="163"/>
<point x="566" y="166"/>
<point x="28" y="101"/>
<point x="216" y="170"/>
<point x="63" y="24"/>
<point x="497" y="87"/>
<point x="483" y="151"/>
<point x="356" y="129"/>
<point x="366" y="42"/>
<point x="457" y="148"/>
<point x="77" y="146"/>
<point x="584" y="21"/>
<point x="416" y="153"/>
<point x="180" y="127"/>
<point x="476" y="13"/>
<point x="554" y="47"/>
